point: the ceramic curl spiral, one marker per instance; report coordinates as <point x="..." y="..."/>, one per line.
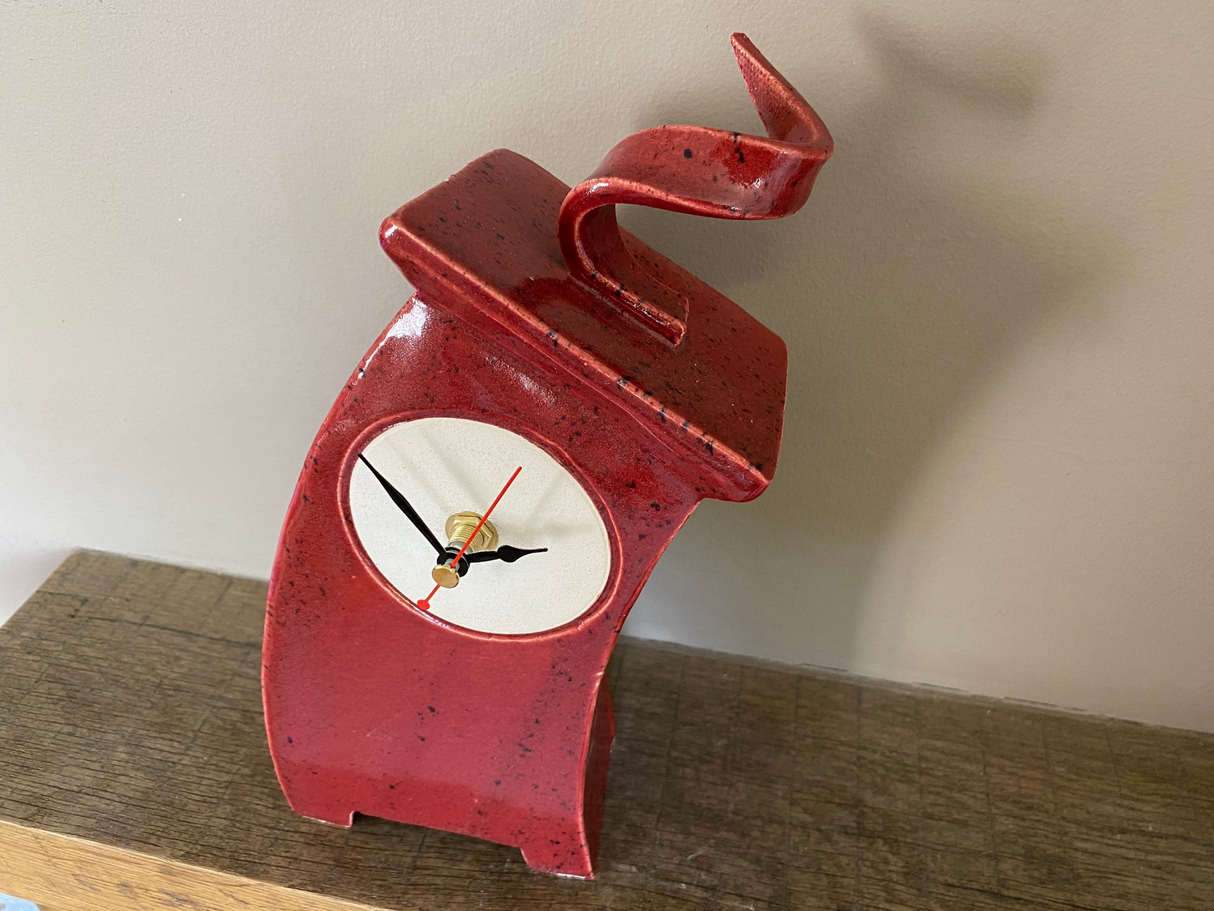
<point x="697" y="170"/>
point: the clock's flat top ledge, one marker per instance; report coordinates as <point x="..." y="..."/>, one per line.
<point x="484" y="244"/>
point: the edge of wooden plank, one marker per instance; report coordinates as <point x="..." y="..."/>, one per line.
<point x="62" y="873"/>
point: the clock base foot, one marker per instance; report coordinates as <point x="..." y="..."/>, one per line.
<point x="570" y="849"/>
<point x="329" y="814"/>
<point x="549" y="855"/>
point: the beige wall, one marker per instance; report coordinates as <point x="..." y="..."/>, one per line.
<point x="997" y="468"/>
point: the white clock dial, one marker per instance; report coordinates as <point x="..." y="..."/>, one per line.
<point x="443" y="466"/>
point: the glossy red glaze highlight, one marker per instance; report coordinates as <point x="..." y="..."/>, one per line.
<point x="376" y="707"/>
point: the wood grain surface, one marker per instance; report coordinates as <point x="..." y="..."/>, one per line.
<point x="134" y="775"/>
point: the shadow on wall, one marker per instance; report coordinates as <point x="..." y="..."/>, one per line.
<point x="903" y="285"/>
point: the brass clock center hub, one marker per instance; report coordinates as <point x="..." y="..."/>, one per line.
<point x="460" y="528"/>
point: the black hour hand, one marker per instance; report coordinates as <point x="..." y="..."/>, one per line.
<point x="404" y="506"/>
<point x="505" y="553"/>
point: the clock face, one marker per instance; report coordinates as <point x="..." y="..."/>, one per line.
<point x="443" y="466"/>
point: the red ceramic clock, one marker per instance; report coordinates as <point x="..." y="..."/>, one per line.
<point x="503" y="470"/>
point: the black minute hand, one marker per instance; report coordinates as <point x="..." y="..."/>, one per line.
<point x="404" y="506"/>
<point x="505" y="553"/>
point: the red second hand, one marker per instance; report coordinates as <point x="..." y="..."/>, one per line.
<point x="424" y="603"/>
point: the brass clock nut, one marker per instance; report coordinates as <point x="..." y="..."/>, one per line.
<point x="460" y="527"/>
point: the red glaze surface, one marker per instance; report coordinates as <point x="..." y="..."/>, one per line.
<point x="698" y="171"/>
<point x="654" y="398"/>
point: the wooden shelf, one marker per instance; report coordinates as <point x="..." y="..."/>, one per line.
<point x="134" y="775"/>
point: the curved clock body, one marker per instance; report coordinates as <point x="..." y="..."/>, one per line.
<point x="541" y="336"/>
<point x="377" y="707"/>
